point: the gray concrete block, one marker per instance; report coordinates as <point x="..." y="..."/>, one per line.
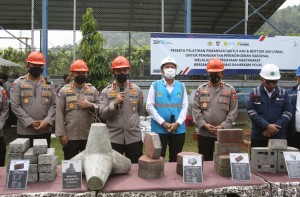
<point x="33" y="178"/>
<point x="31" y="156"/>
<point x="277" y="144"/>
<point x="47" y="177"/>
<point x="222" y="160"/>
<point x="33" y="168"/>
<point x="40" y="146"/>
<point x="230" y="135"/>
<point x="48" y="157"/>
<point x="263" y="156"/>
<point x="264" y="167"/>
<point x="150" y="175"/>
<point x="19" y="145"/>
<point x="180" y="156"/>
<point x="15" y="156"/>
<point x="47" y="168"/>
<point x="148" y="164"/>
<point x="152" y="145"/>
<point x="179" y="169"/>
<point x="226" y="148"/>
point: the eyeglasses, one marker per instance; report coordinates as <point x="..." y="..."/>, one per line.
<point x="271" y="81"/>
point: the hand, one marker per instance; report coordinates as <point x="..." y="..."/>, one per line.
<point x="120" y="98"/>
<point x="173" y="127"/>
<point x="216" y="128"/>
<point x="84" y="104"/>
<point x="35" y="125"/>
<point x="273" y="129"/>
<point x="266" y="133"/>
<point x="166" y="125"/>
<point x="63" y="140"/>
<point x="43" y="125"/>
<point x="210" y="128"/>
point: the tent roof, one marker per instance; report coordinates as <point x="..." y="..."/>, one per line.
<point x="208" y="16"/>
<point x="4" y="62"/>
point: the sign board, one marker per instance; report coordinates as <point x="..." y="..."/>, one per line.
<point x="292" y="162"/>
<point x="71" y="174"/>
<point x="192" y="169"/>
<point x="18" y="174"/>
<point x="241" y="54"/>
<point x="240" y="168"/>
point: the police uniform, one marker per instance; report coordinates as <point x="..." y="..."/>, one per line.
<point x="4" y="102"/>
<point x="215" y="106"/>
<point x="72" y="121"/>
<point x="123" y="123"/>
<point x="33" y="101"/>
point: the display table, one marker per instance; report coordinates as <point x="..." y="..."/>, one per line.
<point x="48" y="189"/>
<point x="281" y="184"/>
<point x="171" y="184"/>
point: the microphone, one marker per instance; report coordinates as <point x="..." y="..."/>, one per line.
<point x="121" y="90"/>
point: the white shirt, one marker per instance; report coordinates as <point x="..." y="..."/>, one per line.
<point x="297" y="114"/>
<point x="269" y="93"/>
<point x="150" y="105"/>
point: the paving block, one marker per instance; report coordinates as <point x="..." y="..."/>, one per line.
<point x="226" y="148"/>
<point x="31" y="156"/>
<point x="152" y="145"/>
<point x="179" y="169"/>
<point x="148" y="164"/>
<point x="263" y="156"/>
<point x="40" y="146"/>
<point x="222" y="160"/>
<point x="47" y="177"/>
<point x="48" y="157"/>
<point x="150" y="175"/>
<point x="230" y="135"/>
<point x="15" y="156"/>
<point x="19" y="145"/>
<point x="277" y="144"/>
<point x="33" y="178"/>
<point x="225" y="172"/>
<point x="180" y="156"/>
<point x="33" y="168"/>
<point x="47" y="168"/>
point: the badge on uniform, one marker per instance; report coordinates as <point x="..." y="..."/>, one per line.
<point x="178" y="95"/>
<point x="159" y="93"/>
<point x="133" y="108"/>
<point x="71" y="105"/>
<point x="26" y="100"/>
<point x="46" y="100"/>
<point x="204" y="105"/>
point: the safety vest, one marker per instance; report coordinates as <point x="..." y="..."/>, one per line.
<point x="167" y="105"/>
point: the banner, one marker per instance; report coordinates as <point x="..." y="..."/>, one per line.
<point x="241" y="54"/>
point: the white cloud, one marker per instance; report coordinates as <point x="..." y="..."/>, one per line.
<point x="289" y="3"/>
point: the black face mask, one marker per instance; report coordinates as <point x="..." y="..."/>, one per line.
<point x="80" y="79"/>
<point x="35" y="71"/>
<point x="122" y="77"/>
<point x="214" y="78"/>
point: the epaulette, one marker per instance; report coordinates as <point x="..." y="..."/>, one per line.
<point x="228" y="85"/>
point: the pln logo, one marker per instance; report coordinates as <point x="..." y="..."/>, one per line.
<point x="161" y="42"/>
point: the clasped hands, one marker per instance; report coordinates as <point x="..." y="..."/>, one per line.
<point x="170" y="127"/>
<point x="39" y="125"/>
<point x="212" y="129"/>
<point x="272" y="129"/>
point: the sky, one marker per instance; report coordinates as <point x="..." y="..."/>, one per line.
<point x="62" y="37"/>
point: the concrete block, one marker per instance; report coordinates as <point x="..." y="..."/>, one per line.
<point x="277" y="144"/>
<point x="152" y="145"/>
<point x="48" y="157"/>
<point x="179" y="169"/>
<point x="148" y="164"/>
<point x="150" y="175"/>
<point x="222" y="160"/>
<point x="225" y="172"/>
<point x="281" y="167"/>
<point x="40" y="146"/>
<point x="33" y="158"/>
<point x="230" y="135"/>
<point x="19" y="145"/>
<point x="47" y="177"/>
<point x="33" y="168"/>
<point x="180" y="156"/>
<point x="47" y="168"/>
<point x="15" y="156"/>
<point x="33" y="178"/>
<point x="226" y="148"/>
<point x="264" y="167"/>
<point x="263" y="156"/>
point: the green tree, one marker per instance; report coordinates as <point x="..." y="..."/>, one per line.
<point x="92" y="52"/>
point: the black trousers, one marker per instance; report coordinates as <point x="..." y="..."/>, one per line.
<point x="294" y="141"/>
<point x="206" y="147"/>
<point x="175" y="142"/>
<point x="46" y="136"/>
<point x="259" y="143"/>
<point x="2" y="151"/>
<point x="73" y="148"/>
<point x="132" y="151"/>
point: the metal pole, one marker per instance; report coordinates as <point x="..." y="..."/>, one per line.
<point x="32" y="25"/>
<point x="246" y="16"/>
<point x="74" y="32"/>
<point x="187" y="16"/>
<point x="162" y="15"/>
<point x="45" y="34"/>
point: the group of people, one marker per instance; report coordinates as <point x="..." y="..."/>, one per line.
<point x="71" y="108"/>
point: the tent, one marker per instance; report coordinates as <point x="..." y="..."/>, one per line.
<point x="4" y="62"/>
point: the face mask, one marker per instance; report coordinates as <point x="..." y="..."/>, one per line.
<point x="122" y="77"/>
<point x="214" y="78"/>
<point x="35" y="71"/>
<point x="80" y="79"/>
<point x="169" y="73"/>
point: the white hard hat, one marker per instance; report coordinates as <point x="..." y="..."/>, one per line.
<point x="168" y="60"/>
<point x="270" y="72"/>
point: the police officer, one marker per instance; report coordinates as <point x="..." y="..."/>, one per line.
<point x="215" y="107"/>
<point x="269" y="108"/>
<point x="167" y="105"/>
<point x="3" y="116"/>
<point x="33" y="101"/>
<point x="76" y="105"/>
<point x="66" y="79"/>
<point x="121" y="103"/>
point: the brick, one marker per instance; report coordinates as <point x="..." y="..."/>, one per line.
<point x="222" y="160"/>
<point x="150" y="175"/>
<point x="47" y="177"/>
<point x="225" y="172"/>
<point x="226" y="148"/>
<point x="179" y="169"/>
<point x="33" y="168"/>
<point x="48" y="157"/>
<point x="148" y="164"/>
<point x="19" y="145"/>
<point x="33" y="178"/>
<point x="277" y="144"/>
<point x="152" y="145"/>
<point x="33" y="159"/>
<point x="47" y="168"/>
<point x="180" y="156"/>
<point x="40" y="146"/>
<point x="230" y="135"/>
